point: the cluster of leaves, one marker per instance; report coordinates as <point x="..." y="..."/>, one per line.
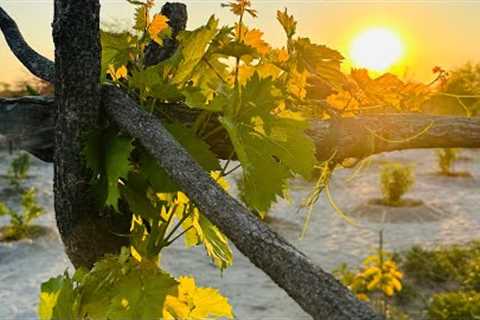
<point x="239" y="89"/>
<point x="376" y="282"/>
<point x="121" y="287"/>
<point x="20" y="222"/>
<point x="396" y="179"/>
<point x="463" y="305"/>
<point x="379" y="274"/>
<point x="446" y="158"/>
<point x="386" y="93"/>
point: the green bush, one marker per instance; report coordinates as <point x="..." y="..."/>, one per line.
<point x="454" y="263"/>
<point x="18" y="170"/>
<point x="461" y="305"/>
<point x="472" y="274"/>
<point x="396" y="179"/>
<point x="446" y="158"/>
<point x="20" y="223"/>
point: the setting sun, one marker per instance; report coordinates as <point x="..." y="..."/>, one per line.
<point x="376" y="49"/>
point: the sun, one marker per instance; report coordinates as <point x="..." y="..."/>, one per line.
<point x="376" y="49"/>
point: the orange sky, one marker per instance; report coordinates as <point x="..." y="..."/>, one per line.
<point x="441" y="33"/>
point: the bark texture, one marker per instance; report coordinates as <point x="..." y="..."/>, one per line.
<point x="87" y="232"/>
<point x="357" y="137"/>
<point x="316" y="291"/>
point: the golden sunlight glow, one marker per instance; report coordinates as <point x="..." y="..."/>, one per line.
<point x="376" y="49"/>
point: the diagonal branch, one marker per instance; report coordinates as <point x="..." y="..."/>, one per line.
<point x="316" y="291"/>
<point x="33" y="61"/>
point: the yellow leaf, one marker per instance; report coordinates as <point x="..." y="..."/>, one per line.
<point x="159" y="24"/>
<point x="216" y="175"/>
<point x="182" y="198"/>
<point x="121" y="73"/>
<point x="252" y="38"/>
<point x="396" y="284"/>
<point x="288" y="22"/>
<point x="194" y="303"/>
<point x="280" y="55"/>
<point x="362" y="297"/>
<point x="388" y="290"/>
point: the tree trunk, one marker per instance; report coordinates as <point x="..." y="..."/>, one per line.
<point x="87" y="231"/>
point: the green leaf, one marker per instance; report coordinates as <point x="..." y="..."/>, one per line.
<point x="140" y="295"/>
<point x="271" y="147"/>
<point x="107" y="155"/>
<point x="118" y="288"/>
<point x="116" y="49"/>
<point x="237" y="49"/>
<point x="193" y="46"/>
<point x="136" y="196"/>
<point x="153" y="82"/>
<point x="141" y="17"/>
<point x="117" y="153"/>
<point x="215" y="243"/>
<point x="321" y="60"/>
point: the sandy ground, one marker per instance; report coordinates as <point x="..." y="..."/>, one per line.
<point x="330" y="240"/>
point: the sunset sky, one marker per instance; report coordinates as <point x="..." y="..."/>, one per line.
<point x="444" y="33"/>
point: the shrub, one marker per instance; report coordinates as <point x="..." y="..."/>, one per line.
<point x="396" y="179"/>
<point x="20" y="223"/>
<point x="444" y="264"/>
<point x="18" y="170"/>
<point x="460" y="305"/>
<point x="446" y="158"/>
<point x="472" y="274"/>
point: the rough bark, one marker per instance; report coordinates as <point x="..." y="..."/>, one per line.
<point x="87" y="232"/>
<point x="316" y="291"/>
<point x="356" y="137"/>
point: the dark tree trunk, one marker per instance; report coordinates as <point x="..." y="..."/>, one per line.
<point x="87" y="232"/>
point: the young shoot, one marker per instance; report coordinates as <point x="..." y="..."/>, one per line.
<point x="446" y="158"/>
<point x="18" y="170"/>
<point x="20" y="222"/>
<point x="396" y="179"/>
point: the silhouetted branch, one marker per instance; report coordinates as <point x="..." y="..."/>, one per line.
<point x="32" y="60"/>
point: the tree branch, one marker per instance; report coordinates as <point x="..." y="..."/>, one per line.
<point x="29" y="122"/>
<point x="362" y="136"/>
<point x="33" y="61"/>
<point x="316" y="291"/>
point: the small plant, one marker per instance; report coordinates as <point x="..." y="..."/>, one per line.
<point x="19" y="170"/>
<point x="460" y="305"/>
<point x="20" y="223"/>
<point x="396" y="179"/>
<point x="446" y="158"/>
